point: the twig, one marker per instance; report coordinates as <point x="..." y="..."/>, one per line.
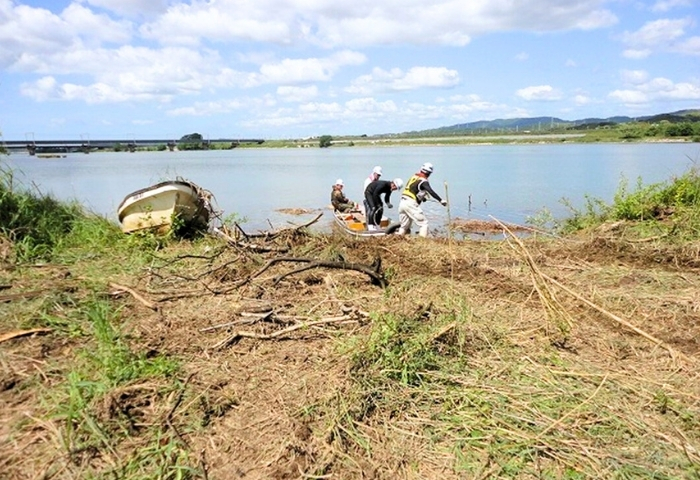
<point x="261" y="336"/>
<point x="22" y="333"/>
<point x="243" y="321"/>
<point x="153" y="306"/>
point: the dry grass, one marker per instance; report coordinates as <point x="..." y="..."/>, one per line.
<point x="535" y="358"/>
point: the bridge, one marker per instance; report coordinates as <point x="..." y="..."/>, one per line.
<point x="87" y="146"/>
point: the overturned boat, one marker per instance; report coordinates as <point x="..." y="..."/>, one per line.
<point x="355" y="224"/>
<point x="164" y="206"/>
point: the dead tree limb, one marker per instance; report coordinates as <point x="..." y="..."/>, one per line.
<point x="373" y="271"/>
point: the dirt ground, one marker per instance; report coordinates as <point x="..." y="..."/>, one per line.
<point x="264" y="346"/>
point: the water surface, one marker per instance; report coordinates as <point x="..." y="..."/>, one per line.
<point x="508" y="182"/>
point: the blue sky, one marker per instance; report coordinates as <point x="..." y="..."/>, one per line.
<point x="274" y="69"/>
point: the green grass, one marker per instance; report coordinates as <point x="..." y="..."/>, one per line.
<point x="673" y="206"/>
<point x="475" y="398"/>
<point x="95" y="407"/>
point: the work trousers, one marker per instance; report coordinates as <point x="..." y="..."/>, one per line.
<point x="409" y="213"/>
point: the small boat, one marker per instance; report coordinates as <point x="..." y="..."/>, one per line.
<point x="164" y="204"/>
<point x="354" y="223"/>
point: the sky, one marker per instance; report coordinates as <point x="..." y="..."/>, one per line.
<point x="283" y="69"/>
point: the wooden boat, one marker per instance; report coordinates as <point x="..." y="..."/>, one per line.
<point x="160" y="206"/>
<point x="354" y="223"/>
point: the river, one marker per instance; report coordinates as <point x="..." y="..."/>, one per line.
<point x="257" y="185"/>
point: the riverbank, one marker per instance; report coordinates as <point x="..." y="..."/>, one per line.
<point x="284" y="357"/>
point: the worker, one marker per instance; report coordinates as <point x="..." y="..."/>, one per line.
<point x="373" y="197"/>
<point x="416" y="192"/>
<point x="340" y="202"/>
<point x="374" y="175"/>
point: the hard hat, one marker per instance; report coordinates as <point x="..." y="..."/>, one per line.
<point x="427" y="167"/>
<point x="398" y="182"/>
<point x="377" y="170"/>
<point x="339" y="182"/>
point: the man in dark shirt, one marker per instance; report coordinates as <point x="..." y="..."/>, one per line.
<point x="373" y="196"/>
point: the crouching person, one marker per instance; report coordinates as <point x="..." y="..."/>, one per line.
<point x="340" y="202"/>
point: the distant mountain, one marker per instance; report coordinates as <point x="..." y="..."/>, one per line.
<point x="542" y="123"/>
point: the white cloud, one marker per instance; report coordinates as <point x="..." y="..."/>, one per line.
<point x="629" y="96"/>
<point x="290" y="71"/>
<point x="415" y="78"/>
<point x="297" y="94"/>
<point x="659" y="35"/>
<point x="691" y="46"/>
<point x="331" y="24"/>
<point x="224" y="106"/>
<point x="636" y="54"/>
<point x="27" y="31"/>
<point x="657" y="89"/>
<point x="539" y="93"/>
<point x="634" y="77"/>
<point x="132" y="8"/>
<point x="190" y="23"/>
<point x="666" y="5"/>
<point x="581" y="99"/>
<point x="657" y="32"/>
<point x="522" y="56"/>
<point x="42" y="89"/>
<point x="94" y="29"/>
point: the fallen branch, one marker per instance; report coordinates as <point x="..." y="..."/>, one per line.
<point x="277" y="233"/>
<point x="373" y="271"/>
<point x="243" y="321"/>
<point x="22" y="333"/>
<point x="152" y="305"/>
<point x="262" y="336"/>
<point x="250" y="246"/>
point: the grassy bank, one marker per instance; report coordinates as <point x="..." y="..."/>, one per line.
<point x="562" y="356"/>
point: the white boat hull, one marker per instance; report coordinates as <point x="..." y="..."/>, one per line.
<point x="156" y="207"/>
<point x="354" y="223"/>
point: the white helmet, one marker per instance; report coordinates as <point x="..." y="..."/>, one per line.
<point x="377" y="170"/>
<point x="339" y="182"/>
<point x="427" y="167"/>
<point x="398" y="182"/>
